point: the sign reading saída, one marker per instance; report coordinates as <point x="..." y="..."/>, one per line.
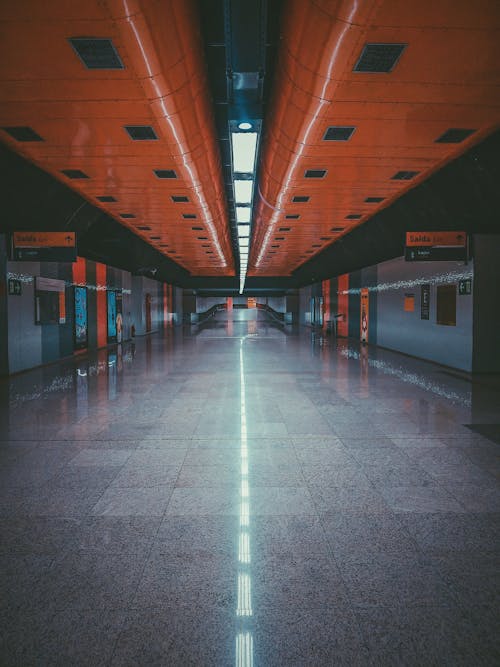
<point x="44" y="246"/>
<point x="435" y="246"/>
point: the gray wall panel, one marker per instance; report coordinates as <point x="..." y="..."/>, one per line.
<point x="407" y="332"/>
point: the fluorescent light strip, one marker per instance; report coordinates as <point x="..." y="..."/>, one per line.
<point x="244" y="146"/>
<point x="243" y="191"/>
<point x="243" y="213"/>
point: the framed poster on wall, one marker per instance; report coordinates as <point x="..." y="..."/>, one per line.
<point x="81" y="318"/>
<point x="111" y="295"/>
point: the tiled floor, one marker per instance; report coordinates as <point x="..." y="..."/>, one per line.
<point x="244" y="496"/>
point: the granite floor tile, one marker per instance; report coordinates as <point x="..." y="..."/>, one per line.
<point x="177" y="634"/>
<point x="133" y="501"/>
<point x="172" y="579"/>
<point x="90" y="580"/>
<point x="429" y="498"/>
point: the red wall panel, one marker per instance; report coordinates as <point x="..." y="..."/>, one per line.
<point x="343" y="301"/>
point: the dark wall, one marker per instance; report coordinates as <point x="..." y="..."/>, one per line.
<point x="486" y="306"/>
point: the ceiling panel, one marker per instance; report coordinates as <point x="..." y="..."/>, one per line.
<point x="446" y="76"/>
<point x="80" y="115"/>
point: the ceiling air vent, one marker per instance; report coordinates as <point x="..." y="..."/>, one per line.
<point x="337" y="229"/>
<point x="300" y="199"/>
<point x="144" y="229"/>
<point x="309" y="252"/>
<point x="22" y="133"/>
<point x="188" y="216"/>
<point x="106" y="198"/>
<point x="338" y="133"/>
<point x="275" y="246"/>
<point x="96" y="52"/>
<point x="155" y="238"/>
<point x="202" y="238"/>
<point x="279" y="238"/>
<point x="127" y="215"/>
<point x="315" y="173"/>
<point x="205" y="245"/>
<point x="353" y="216"/>
<point x="165" y="173"/>
<point x="180" y="198"/>
<point x="74" y="173"/>
<point x="141" y="132"/>
<point x="379" y="57"/>
<point x="294" y="216"/>
<point x="284" y="229"/>
<point x="197" y="229"/>
<point x="454" y="136"/>
<point x="404" y="175"/>
<point x="316" y="245"/>
<point x="374" y="200"/>
<point x="325" y="238"/>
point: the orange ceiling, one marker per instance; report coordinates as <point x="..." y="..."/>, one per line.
<point x="81" y="114"/>
<point x="446" y="77"/>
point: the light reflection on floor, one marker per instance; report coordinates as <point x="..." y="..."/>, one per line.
<point x="244" y="638"/>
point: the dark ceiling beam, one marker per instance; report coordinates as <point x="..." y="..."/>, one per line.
<point x="33" y="200"/>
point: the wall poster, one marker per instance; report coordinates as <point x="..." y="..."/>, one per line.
<point x="81" y="324"/>
<point x="111" y="296"/>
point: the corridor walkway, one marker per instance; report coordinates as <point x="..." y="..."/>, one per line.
<point x="243" y="495"/>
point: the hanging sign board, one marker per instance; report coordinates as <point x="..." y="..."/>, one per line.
<point x="44" y="246"/>
<point x="435" y="246"/>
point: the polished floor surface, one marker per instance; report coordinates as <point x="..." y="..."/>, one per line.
<point x="247" y="496"/>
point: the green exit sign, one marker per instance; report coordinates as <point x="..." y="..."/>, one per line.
<point x="465" y="286"/>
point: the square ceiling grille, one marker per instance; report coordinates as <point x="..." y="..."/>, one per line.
<point x="197" y="229"/>
<point x="284" y="229"/>
<point x="179" y="199"/>
<point x="165" y="173"/>
<point x="189" y="216"/>
<point x="353" y="216"/>
<point x="374" y="200"/>
<point x="315" y="173"/>
<point x="127" y="215"/>
<point x="404" y="175"/>
<point x="155" y="238"/>
<point x="300" y="199"/>
<point x="292" y="216"/>
<point x="379" y="57"/>
<point x="338" y="133"/>
<point x="141" y="132"/>
<point x="96" y="53"/>
<point x="106" y="198"/>
<point x="454" y="136"/>
<point x="74" y="173"/>
<point x="337" y="229"/>
<point x="144" y="228"/>
<point x="325" y="238"/>
<point x="22" y="133"/>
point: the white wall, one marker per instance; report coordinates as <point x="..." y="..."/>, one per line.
<point x="24" y="336"/>
<point x="406" y="332"/>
